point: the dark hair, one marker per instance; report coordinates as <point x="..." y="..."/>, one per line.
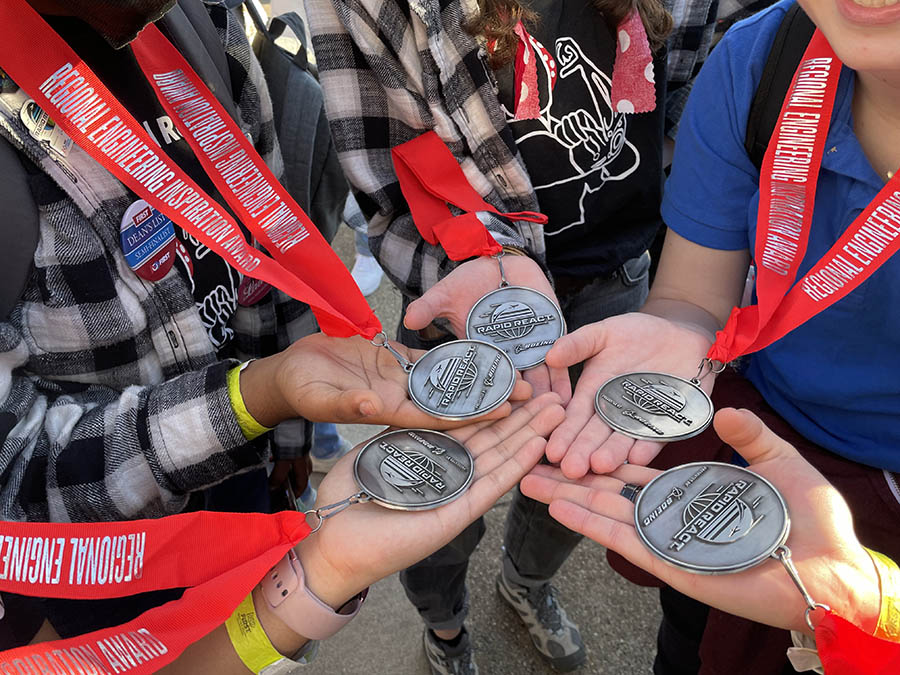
<point x="497" y="19"/>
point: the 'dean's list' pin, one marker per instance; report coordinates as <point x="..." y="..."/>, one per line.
<point x="148" y="241"/>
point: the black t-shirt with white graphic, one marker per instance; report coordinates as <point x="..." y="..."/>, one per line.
<point x="596" y="173"/>
<point x="213" y="282"/>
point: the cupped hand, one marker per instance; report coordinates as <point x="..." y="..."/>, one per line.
<point x="454" y="295"/>
<point x="346" y="380"/>
<point x="367" y="542"/>
<point x="621" y="344"/>
<point x="831" y="562"/>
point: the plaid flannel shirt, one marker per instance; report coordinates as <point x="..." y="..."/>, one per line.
<point x="390" y="71"/>
<point x="113" y="402"/>
<point x="699" y="25"/>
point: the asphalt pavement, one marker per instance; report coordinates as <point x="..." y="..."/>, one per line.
<point x="618" y="620"/>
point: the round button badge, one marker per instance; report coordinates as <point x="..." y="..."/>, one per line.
<point x="148" y="241"/>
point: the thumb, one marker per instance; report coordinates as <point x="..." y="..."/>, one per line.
<point x="747" y="434"/>
<point x="356" y="405"/>
<point x="423" y="311"/>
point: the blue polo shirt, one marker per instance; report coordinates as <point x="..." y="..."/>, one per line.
<point x="836" y="378"/>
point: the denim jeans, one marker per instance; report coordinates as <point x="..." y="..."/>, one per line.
<point x="535" y="545"/>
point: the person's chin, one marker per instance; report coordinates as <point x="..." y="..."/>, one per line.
<point x="864" y="37"/>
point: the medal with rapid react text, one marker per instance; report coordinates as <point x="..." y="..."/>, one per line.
<point x="407" y="470"/>
<point x="521" y="321"/>
<point x="461" y="379"/>
<point x="711" y="518"/>
<point x="715" y="518"/>
<point x="413" y="469"/>
<point x="654" y="406"/>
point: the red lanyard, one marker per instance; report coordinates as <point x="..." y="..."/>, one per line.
<point x="430" y="178"/>
<point x="218" y="557"/>
<point x="788" y="180"/>
<point x="304" y="265"/>
<point x="846" y="650"/>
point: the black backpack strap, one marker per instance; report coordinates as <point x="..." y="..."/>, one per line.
<point x="790" y="43"/>
<point x="20" y="231"/>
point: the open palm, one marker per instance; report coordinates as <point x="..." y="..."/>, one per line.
<point x="621" y="344"/>
<point x="454" y="295"/>
<point x="367" y="542"/>
<point x="350" y="380"/>
<point x="831" y="562"/>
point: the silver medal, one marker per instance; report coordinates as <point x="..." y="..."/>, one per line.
<point x="711" y="518"/>
<point x="413" y="469"/>
<point x="521" y="321"/>
<point x="461" y="379"/>
<point x="654" y="406"/>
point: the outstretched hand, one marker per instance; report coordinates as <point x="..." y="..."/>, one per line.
<point x="367" y="542"/>
<point x="835" y="568"/>
<point x="454" y="295"/>
<point x="618" y="345"/>
<point x="345" y="380"/>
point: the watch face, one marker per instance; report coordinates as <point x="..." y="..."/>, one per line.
<point x="414" y="469"/>
<point x="461" y="379"/>
<point x="711" y="518"/>
<point x="521" y="321"/>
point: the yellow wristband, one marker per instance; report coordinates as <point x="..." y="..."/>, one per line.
<point x="888" y="627"/>
<point x="248" y="638"/>
<point x="251" y="428"/>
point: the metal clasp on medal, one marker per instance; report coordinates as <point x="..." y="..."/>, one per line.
<point x="503" y="281"/>
<point x="405" y="363"/>
<point x="706" y="367"/>
<point x="783" y="553"/>
<point x="324" y="512"/>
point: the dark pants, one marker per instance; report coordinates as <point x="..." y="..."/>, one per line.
<point x="535" y="545"/>
<point x="697" y="639"/>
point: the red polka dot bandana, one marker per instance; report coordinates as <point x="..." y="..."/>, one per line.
<point x="633" y="84"/>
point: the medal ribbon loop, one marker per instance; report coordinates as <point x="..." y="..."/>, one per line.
<point x="304" y="265"/>
<point x="788" y="181"/>
<point x="430" y="179"/>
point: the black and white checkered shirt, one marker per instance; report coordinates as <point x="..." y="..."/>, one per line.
<point x="392" y="70"/>
<point x="113" y="401"/>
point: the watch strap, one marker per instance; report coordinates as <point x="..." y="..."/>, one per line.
<point x="284" y="588"/>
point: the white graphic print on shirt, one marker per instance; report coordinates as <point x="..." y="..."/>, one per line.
<point x="590" y="143"/>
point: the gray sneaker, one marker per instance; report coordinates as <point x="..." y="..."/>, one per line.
<point x="553" y="633"/>
<point x="459" y="660"/>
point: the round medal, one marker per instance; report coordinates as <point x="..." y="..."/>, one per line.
<point x="521" y="321"/>
<point x="461" y="379"/>
<point x="413" y="469"/>
<point x="711" y="518"/>
<point x="654" y="406"/>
